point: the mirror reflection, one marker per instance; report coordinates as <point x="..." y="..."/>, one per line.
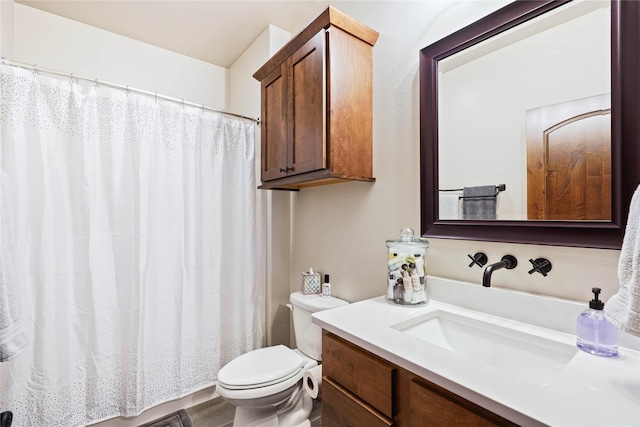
<point x="524" y="121"/>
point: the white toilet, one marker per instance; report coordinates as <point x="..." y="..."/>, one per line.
<point x="265" y="385"/>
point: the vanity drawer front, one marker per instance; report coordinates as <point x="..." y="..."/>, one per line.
<point x="340" y="408"/>
<point x="440" y="407"/>
<point x="362" y="373"/>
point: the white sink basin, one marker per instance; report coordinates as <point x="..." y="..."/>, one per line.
<point x="489" y="341"/>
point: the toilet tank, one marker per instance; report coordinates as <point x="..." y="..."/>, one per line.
<point x="308" y="335"/>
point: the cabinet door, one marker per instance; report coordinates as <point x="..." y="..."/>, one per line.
<point x="306" y="150"/>
<point x="274" y="124"/>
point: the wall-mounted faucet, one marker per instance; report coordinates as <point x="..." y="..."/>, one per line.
<point x="508" y="261"/>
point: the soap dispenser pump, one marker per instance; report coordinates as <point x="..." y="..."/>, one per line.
<point x="595" y="334"/>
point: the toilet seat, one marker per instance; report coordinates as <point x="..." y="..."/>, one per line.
<point x="261" y="368"/>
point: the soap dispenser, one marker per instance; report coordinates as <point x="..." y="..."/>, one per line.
<point x="595" y="334"/>
<point x="326" y="287"/>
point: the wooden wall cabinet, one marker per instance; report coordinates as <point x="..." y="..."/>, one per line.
<point x="316" y="101"/>
<point x="360" y="389"/>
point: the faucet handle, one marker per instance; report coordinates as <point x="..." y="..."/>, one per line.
<point x="540" y="265"/>
<point x="479" y="258"/>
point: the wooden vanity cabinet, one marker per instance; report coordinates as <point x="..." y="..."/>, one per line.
<point x="316" y="102"/>
<point x="360" y="389"/>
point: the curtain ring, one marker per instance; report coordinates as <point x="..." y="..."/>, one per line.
<point x="97" y="82"/>
<point x="127" y="89"/>
<point x="156" y="96"/>
<point x="35" y="69"/>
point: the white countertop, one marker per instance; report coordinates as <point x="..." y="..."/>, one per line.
<point x="589" y="391"/>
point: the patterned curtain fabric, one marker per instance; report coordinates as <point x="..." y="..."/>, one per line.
<point x="135" y="230"/>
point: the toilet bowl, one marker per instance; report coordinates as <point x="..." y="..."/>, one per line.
<point x="265" y="385"/>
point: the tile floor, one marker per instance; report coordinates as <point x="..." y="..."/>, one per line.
<point x="219" y="413"/>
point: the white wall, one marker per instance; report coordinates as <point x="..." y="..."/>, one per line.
<point x="6" y="29"/>
<point x="341" y="229"/>
<point x="65" y="45"/>
<point x="244" y="90"/>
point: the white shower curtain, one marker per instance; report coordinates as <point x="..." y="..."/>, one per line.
<point x="135" y="230"/>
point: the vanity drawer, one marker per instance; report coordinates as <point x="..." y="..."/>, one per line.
<point x="441" y="407"/>
<point x="358" y="371"/>
<point x="340" y="408"/>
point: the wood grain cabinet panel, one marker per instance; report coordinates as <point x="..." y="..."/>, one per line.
<point x="434" y="406"/>
<point x="340" y="408"/>
<point x="317" y="96"/>
<point x="363" y="374"/>
<point x="274" y="126"/>
<point x="306" y="145"/>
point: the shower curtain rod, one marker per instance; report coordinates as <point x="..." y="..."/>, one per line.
<point x="37" y="69"/>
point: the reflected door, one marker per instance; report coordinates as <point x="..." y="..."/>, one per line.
<point x="569" y="161"/>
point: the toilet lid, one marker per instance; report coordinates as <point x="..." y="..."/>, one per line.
<point x="260" y="368"/>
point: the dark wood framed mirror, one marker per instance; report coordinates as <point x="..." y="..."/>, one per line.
<point x="624" y="122"/>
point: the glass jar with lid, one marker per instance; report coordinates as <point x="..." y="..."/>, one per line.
<point x="407" y="269"/>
